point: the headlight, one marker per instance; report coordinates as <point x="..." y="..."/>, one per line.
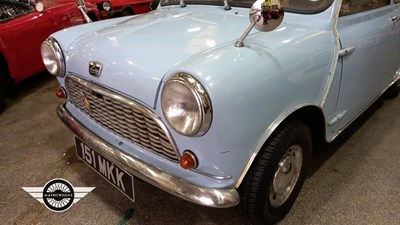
<point x="106" y="6"/>
<point x="53" y="57"/>
<point x="186" y="105"/>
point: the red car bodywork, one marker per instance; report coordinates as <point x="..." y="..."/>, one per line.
<point x="122" y="7"/>
<point x="22" y="36"/>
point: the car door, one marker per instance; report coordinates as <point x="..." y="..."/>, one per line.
<point x="369" y="38"/>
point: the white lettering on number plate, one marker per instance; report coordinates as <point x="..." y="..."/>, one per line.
<point x="115" y="175"/>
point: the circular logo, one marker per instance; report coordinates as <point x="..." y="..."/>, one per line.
<point x="58" y="195"/>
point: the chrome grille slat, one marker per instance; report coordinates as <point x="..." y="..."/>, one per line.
<point x="122" y="116"/>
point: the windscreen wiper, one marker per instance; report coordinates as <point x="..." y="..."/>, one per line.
<point x="226" y="5"/>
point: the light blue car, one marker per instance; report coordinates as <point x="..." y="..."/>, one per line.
<point x="220" y="102"/>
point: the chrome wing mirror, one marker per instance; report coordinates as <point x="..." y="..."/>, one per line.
<point x="82" y="7"/>
<point x="265" y="15"/>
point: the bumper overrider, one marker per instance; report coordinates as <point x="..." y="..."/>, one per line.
<point x="212" y="197"/>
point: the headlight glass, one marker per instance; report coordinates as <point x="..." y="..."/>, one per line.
<point x="53" y="57"/>
<point x="106" y="6"/>
<point x="186" y="105"/>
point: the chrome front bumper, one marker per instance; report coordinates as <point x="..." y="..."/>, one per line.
<point x="212" y="197"/>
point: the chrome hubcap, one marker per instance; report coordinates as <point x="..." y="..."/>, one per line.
<point x="286" y="175"/>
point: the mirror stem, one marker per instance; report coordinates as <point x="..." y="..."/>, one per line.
<point x="88" y="20"/>
<point x="183" y="4"/>
<point x="226" y="5"/>
<point x="240" y="43"/>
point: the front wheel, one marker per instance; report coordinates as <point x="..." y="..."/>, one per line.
<point x="127" y="12"/>
<point x="274" y="181"/>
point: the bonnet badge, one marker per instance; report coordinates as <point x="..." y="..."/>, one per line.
<point x="95" y="68"/>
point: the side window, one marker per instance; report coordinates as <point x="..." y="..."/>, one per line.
<point x="355" y="6"/>
<point x="12" y="9"/>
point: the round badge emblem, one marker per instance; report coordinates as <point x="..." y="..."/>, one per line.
<point x="58" y="195"/>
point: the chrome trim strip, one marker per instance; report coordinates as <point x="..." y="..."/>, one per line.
<point x="327" y="88"/>
<point x="212" y="197"/>
<point x="211" y="176"/>
<point x="271" y="128"/>
<point x="397" y="79"/>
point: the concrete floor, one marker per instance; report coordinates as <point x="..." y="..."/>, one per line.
<point x="354" y="180"/>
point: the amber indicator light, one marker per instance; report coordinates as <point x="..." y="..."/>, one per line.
<point x="60" y="93"/>
<point x="188" y="160"/>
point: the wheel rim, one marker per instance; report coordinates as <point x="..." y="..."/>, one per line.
<point x="286" y="175"/>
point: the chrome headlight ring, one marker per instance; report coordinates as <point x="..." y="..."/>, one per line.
<point x="53" y="58"/>
<point x="186" y="105"/>
<point x="106" y="6"/>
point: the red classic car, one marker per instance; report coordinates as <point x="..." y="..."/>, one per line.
<point x="113" y="8"/>
<point x="23" y="29"/>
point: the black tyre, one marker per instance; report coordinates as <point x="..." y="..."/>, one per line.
<point x="127" y="12"/>
<point x="274" y="181"/>
<point x="393" y="91"/>
<point x="3" y="86"/>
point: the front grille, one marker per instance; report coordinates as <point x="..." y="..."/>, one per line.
<point x="122" y="116"/>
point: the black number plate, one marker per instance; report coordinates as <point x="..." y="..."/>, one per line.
<point x="115" y="175"/>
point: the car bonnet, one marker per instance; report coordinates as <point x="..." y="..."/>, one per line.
<point x="137" y="53"/>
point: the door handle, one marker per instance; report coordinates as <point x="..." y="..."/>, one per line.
<point x="395" y="19"/>
<point x="346" y="51"/>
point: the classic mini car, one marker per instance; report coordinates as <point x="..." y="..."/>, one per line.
<point x="224" y="104"/>
<point x="114" y="8"/>
<point x="23" y="28"/>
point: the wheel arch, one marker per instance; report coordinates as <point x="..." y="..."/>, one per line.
<point x="4" y="64"/>
<point x="5" y="81"/>
<point x="128" y="8"/>
<point x="312" y="116"/>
